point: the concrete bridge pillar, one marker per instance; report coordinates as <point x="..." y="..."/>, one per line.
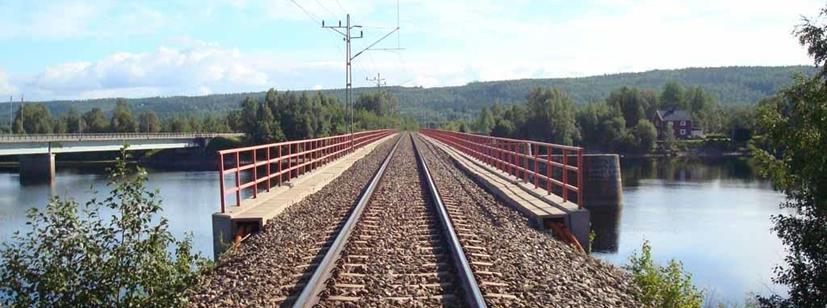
<point x="602" y="181"/>
<point x="37" y="168"/>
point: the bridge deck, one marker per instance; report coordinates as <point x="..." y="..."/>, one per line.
<point x="531" y="201"/>
<point x="269" y="204"/>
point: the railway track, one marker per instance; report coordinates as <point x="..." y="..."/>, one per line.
<point x="400" y="245"/>
<point x="393" y="249"/>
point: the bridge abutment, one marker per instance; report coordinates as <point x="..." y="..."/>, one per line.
<point x="37" y="168"/>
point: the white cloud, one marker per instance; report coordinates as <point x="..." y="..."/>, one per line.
<point x="77" y="19"/>
<point x="197" y="69"/>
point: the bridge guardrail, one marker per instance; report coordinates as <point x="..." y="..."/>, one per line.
<point x="284" y="160"/>
<point x="524" y="159"/>
<point x="13" y="138"/>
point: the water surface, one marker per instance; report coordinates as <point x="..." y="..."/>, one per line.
<point x="188" y="198"/>
<point x="713" y="215"/>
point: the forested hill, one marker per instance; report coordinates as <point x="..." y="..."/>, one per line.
<point x="729" y="85"/>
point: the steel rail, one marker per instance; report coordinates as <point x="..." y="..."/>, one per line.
<point x="470" y="287"/>
<point x="309" y="296"/>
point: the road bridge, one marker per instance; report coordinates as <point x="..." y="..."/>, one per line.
<point x="37" y="152"/>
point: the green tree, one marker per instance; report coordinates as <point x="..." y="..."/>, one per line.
<point x="792" y="155"/>
<point x="148" y="122"/>
<point x="95" y="121"/>
<point x="503" y="128"/>
<point x="613" y="134"/>
<point x="74" y="122"/>
<point x="267" y="129"/>
<point x="673" y="96"/>
<point x="195" y="123"/>
<point x="517" y="117"/>
<point x="234" y="122"/>
<point x="122" y="120"/>
<point x="249" y="113"/>
<point x="631" y="103"/>
<point x="112" y="252"/>
<point x="551" y="117"/>
<point x="661" y="286"/>
<point x="178" y="124"/>
<point x="215" y="124"/>
<point x="485" y="122"/>
<point x="740" y="122"/>
<point x="705" y="110"/>
<point x="60" y="126"/>
<point x="382" y="103"/>
<point x="33" y="119"/>
<point x="496" y="110"/>
<point x="645" y="136"/>
<point x="602" y="128"/>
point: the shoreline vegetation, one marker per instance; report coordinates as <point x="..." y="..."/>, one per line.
<point x="627" y="122"/>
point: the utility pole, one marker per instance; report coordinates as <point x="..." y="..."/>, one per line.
<point x="11" y="113"/>
<point x="347" y="37"/>
<point x="345" y="31"/>
<point x="378" y="79"/>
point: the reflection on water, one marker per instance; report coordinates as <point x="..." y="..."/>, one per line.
<point x="713" y="215"/>
<point x="188" y="199"/>
<point x="685" y="170"/>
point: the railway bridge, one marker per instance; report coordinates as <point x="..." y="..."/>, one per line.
<point x="387" y="218"/>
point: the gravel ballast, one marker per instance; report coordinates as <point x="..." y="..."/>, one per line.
<point x="537" y="269"/>
<point x="397" y="254"/>
<point x="268" y="267"/>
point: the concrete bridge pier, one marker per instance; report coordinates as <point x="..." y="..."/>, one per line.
<point x="602" y="179"/>
<point x="37" y="168"/>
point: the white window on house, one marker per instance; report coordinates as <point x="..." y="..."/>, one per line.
<point x="683" y="123"/>
<point x="683" y="132"/>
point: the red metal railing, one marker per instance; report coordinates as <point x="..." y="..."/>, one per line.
<point x="265" y="166"/>
<point x="552" y="167"/>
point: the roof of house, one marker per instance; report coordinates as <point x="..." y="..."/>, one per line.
<point x="674" y="114"/>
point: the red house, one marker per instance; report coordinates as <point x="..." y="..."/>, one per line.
<point x="681" y="123"/>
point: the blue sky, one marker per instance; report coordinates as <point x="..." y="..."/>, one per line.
<point x="88" y="49"/>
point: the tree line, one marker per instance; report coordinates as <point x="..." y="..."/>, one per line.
<point x="292" y="116"/>
<point x="622" y="122"/>
<point x="35" y="118"/>
<point x="276" y="117"/>
<point x="731" y="86"/>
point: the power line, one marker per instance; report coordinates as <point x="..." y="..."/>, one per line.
<point x="340" y="6"/>
<point x="310" y="15"/>
<point x="325" y="8"/>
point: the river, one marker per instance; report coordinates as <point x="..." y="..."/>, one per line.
<point x="714" y="216"/>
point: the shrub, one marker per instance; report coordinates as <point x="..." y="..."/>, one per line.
<point x="78" y="256"/>
<point x="661" y="286"/>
